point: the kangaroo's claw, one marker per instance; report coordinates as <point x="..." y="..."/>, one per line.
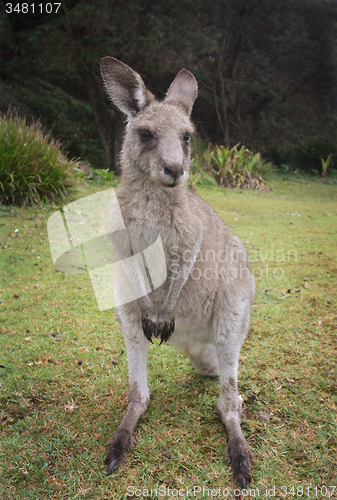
<point x="243" y="482"/>
<point x="167" y="330"/>
<point x="149" y="329"/>
<point x="112" y="467"/>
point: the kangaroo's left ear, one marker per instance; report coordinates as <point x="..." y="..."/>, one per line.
<point x="183" y="91"/>
<point x="125" y="87"/>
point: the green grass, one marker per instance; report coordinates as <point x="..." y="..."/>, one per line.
<point x="56" y="415"/>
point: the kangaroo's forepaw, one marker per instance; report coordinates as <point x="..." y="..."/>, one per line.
<point x="118" y="445"/>
<point x="240" y="459"/>
<point x="149" y="329"/>
<point x="166" y="328"/>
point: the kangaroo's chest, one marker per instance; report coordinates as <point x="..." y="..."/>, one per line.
<point x="170" y="223"/>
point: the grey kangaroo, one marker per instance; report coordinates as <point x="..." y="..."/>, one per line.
<point x="203" y="306"/>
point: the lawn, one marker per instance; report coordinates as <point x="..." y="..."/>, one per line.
<point x="63" y="366"/>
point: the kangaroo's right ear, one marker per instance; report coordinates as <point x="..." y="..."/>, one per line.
<point x="183" y="91"/>
<point x="124" y="86"/>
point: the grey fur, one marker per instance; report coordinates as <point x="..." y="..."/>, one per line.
<point x="203" y="308"/>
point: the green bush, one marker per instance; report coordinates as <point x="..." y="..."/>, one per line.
<point x="33" y="168"/>
<point x="236" y="167"/>
<point x="198" y="175"/>
<point x="104" y="177"/>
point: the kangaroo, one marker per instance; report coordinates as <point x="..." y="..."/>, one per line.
<point x="203" y="306"/>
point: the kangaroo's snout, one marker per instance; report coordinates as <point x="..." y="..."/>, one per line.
<point x="173" y="171"/>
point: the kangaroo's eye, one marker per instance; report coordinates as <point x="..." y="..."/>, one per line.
<point x="187" y="137"/>
<point x="145" y="135"/>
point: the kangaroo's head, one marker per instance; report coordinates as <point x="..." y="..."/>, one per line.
<point x="157" y="140"/>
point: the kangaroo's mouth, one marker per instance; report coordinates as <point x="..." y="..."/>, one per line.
<point x="172" y="185"/>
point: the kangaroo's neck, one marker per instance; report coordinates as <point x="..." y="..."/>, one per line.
<point x="144" y="200"/>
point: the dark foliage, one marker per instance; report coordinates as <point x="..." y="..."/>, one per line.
<point x="69" y="119"/>
<point x="265" y="67"/>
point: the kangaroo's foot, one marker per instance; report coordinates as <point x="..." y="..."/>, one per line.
<point x="240" y="459"/>
<point x="118" y="445"/>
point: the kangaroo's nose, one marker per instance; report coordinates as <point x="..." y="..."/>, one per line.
<point x="174" y="171"/>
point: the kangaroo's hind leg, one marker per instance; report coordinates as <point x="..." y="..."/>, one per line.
<point x="138" y="395"/>
<point x="230" y="331"/>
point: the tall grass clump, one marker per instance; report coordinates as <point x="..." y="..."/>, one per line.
<point x="234" y="167"/>
<point x="325" y="165"/>
<point x="33" y="168"/>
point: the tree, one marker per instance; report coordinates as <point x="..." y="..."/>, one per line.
<point x="265" y="67"/>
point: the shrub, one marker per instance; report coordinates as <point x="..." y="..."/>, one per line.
<point x="236" y="168"/>
<point x="105" y="177"/>
<point x="198" y="175"/>
<point x="325" y="165"/>
<point x="33" y="168"/>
